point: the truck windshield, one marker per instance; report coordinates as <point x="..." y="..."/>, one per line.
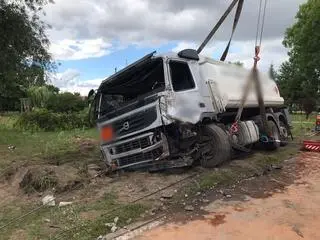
<point x="134" y="85"/>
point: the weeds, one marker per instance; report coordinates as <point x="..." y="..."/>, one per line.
<point x="66" y="147"/>
<point x="38" y="182"/>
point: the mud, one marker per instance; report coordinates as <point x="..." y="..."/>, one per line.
<point x="279" y="205"/>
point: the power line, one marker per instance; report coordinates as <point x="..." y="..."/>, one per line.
<point x="59" y="235"/>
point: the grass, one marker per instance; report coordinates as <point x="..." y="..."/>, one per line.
<point x="39" y="183"/>
<point x="38" y="147"/>
<point x="66" y="222"/>
<point x="301" y="125"/>
<point x="229" y="174"/>
<point x="57" y="148"/>
<point x="65" y="147"/>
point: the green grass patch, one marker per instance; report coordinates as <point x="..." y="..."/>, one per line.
<point x="42" y="147"/>
<point x="229" y="174"/>
<point x="66" y="222"/>
<point x="92" y="229"/>
<point x="301" y="125"/>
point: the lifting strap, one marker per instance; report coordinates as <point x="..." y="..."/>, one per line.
<point x="235" y="23"/>
<point x="218" y="24"/>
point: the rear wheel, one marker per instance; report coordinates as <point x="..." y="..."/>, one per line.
<point x="274" y="134"/>
<point x="215" y="146"/>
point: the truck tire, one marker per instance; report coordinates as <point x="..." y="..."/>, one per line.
<point x="284" y="136"/>
<point x="275" y="134"/>
<point x="216" y="147"/>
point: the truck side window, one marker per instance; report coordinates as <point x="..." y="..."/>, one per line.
<point x="181" y="76"/>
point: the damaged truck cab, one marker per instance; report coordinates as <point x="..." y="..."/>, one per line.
<point x="174" y="110"/>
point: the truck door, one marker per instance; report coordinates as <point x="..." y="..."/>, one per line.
<point x="185" y="100"/>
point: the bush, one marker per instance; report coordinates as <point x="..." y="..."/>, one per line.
<point x="66" y="102"/>
<point x="43" y="119"/>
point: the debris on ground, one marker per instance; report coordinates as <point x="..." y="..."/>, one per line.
<point x="277" y="167"/>
<point x="49" y="200"/>
<point x="62" y="204"/>
<point x="167" y="195"/>
<point x="94" y="170"/>
<point x="297" y="231"/>
<point x="101" y="238"/>
<point x="11" y="147"/>
<point x="109" y="225"/>
<point x="189" y="208"/>
<point x="114" y="228"/>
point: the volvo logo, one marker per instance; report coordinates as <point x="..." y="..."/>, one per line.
<point x="125" y="126"/>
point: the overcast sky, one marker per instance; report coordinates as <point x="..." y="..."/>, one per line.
<point x="92" y="37"/>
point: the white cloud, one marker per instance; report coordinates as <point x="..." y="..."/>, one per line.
<point x="272" y="52"/>
<point x="87" y="28"/>
<point x="69" y="81"/>
<point x="79" y="49"/>
<point x="83" y="87"/>
<point x="134" y="21"/>
<point x="66" y="78"/>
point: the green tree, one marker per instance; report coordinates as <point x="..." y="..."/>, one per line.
<point x="23" y="50"/>
<point x="66" y="102"/>
<point x="39" y="96"/>
<point x="299" y="77"/>
<point x="53" y="88"/>
<point x="272" y="72"/>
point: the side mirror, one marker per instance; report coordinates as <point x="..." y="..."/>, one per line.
<point x="91" y="92"/>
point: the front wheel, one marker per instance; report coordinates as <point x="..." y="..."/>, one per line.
<point x="215" y="146"/>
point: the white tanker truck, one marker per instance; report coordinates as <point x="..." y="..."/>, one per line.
<point x="179" y="109"/>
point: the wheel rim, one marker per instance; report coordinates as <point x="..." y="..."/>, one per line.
<point x="284" y="132"/>
<point x="275" y="134"/>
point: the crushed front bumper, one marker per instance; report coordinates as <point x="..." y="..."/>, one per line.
<point x="136" y="151"/>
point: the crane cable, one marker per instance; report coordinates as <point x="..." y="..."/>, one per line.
<point x="254" y="75"/>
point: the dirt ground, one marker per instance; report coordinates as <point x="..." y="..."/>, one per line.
<point x="280" y="205"/>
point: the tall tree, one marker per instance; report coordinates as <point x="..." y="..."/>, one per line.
<point x="300" y="75"/>
<point x="272" y="72"/>
<point x="24" y="56"/>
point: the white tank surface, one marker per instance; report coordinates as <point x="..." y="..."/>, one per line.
<point x="230" y="80"/>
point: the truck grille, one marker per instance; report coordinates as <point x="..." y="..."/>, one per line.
<point x="128" y="146"/>
<point x="135" y="122"/>
<point x="136" y="158"/>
